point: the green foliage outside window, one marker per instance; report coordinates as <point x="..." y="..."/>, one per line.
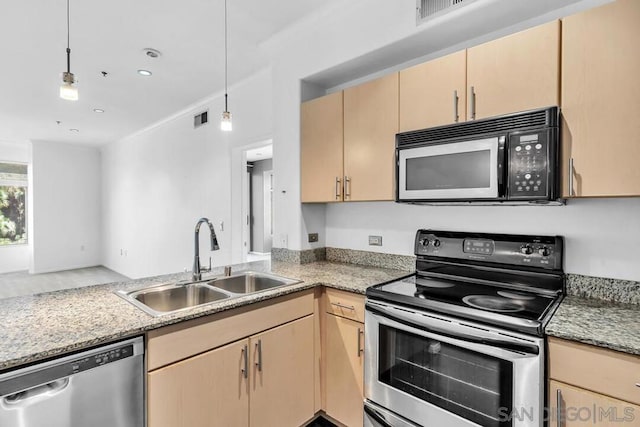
<point x="13" y="216"/>
<point x="13" y="202"/>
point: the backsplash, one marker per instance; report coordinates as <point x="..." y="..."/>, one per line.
<point x="298" y="257"/>
<point x="372" y="259"/>
<point x="614" y="290"/>
<point x="348" y="256"/>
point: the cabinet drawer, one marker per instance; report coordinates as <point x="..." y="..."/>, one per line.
<point x="345" y="304"/>
<point x="177" y="342"/>
<point x="604" y="371"/>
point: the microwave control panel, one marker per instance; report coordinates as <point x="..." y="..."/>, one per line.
<point x="529" y="165"/>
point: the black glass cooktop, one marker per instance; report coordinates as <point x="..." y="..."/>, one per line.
<point x="420" y="291"/>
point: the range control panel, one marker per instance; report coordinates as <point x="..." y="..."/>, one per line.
<point x="535" y="251"/>
<point x="530" y="160"/>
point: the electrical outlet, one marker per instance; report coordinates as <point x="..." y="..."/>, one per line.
<point x="283" y="240"/>
<point x="313" y="237"/>
<point x="375" y="240"/>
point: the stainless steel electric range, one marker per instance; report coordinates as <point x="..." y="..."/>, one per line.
<point x="460" y="342"/>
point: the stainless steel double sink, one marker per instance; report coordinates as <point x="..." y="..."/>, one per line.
<point x="170" y="298"/>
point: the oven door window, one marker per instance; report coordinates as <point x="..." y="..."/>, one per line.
<point x="456" y="170"/>
<point x="469" y="384"/>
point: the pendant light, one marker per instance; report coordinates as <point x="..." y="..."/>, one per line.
<point x="68" y="91"/>
<point x="225" y="123"/>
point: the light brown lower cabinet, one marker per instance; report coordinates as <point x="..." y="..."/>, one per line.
<point x="205" y="390"/>
<point x="575" y="407"/>
<point x="282" y="375"/>
<point x="264" y="380"/>
<point x="344" y="370"/>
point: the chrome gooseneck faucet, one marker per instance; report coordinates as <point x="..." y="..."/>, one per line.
<point x="197" y="270"/>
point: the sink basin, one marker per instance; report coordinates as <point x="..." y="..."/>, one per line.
<point x="158" y="300"/>
<point x="163" y="299"/>
<point x="249" y="282"/>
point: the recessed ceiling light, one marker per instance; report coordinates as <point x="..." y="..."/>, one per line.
<point x="144" y="72"/>
<point x="74" y="130"/>
<point x="98" y="110"/>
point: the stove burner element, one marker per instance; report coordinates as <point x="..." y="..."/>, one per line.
<point x="516" y="295"/>
<point x="426" y="283"/>
<point x="498" y="304"/>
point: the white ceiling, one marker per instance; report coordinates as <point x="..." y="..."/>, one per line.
<point x="260" y="153"/>
<point x="110" y="36"/>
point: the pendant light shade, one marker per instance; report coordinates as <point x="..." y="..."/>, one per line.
<point x="225" y="124"/>
<point x="68" y="91"/>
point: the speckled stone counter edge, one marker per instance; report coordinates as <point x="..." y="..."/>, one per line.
<point x="613" y="290"/>
<point x="347" y="256"/>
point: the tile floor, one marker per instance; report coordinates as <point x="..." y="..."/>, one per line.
<point x="23" y="283"/>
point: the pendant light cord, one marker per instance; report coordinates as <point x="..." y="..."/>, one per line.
<point x="225" y="56"/>
<point x="68" y="32"/>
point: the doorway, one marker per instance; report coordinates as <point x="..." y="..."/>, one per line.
<point x="259" y="199"/>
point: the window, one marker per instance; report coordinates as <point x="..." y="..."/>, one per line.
<point x="13" y="204"/>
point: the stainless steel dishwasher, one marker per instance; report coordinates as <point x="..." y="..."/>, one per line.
<point x="102" y="387"/>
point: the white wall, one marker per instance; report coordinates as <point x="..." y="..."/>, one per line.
<point x="66" y="207"/>
<point x="15" y="257"/>
<point x="601" y="235"/>
<point x="159" y="182"/>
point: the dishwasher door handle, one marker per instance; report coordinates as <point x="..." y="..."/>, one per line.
<point x="54" y="387"/>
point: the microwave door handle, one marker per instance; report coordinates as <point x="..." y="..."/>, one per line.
<point x="401" y="318"/>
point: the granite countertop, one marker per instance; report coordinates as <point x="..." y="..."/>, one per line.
<point x="608" y="324"/>
<point x="41" y="326"/>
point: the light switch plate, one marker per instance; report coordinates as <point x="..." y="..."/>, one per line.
<point x="313" y="237"/>
<point x="375" y="240"/>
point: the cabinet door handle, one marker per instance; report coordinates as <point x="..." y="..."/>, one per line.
<point x="259" y="351"/>
<point x="571" y="171"/>
<point x="637" y="384"/>
<point x="558" y="408"/>
<point x="338" y="188"/>
<point x="456" y="116"/>
<point x="245" y="355"/>
<point x="347" y="185"/>
<point x="360" y="349"/>
<point x="347" y="307"/>
<point x="472" y="103"/>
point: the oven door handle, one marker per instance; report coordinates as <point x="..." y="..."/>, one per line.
<point x="377" y="416"/>
<point x="398" y="316"/>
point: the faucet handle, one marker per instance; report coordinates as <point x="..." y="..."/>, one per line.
<point x="207" y="268"/>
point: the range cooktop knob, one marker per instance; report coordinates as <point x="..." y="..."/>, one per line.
<point x="544" y="251"/>
<point x="526" y="249"/>
<point x="436" y="243"/>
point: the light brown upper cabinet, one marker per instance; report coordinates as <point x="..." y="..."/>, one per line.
<point x="370" y="127"/>
<point x="434" y="93"/>
<point x="601" y="101"/>
<point x="321" y="137"/>
<point x="347" y="144"/>
<point x="515" y="73"/>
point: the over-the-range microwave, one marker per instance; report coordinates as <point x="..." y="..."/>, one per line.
<point x="509" y="159"/>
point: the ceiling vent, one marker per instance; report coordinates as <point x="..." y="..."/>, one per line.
<point x="200" y="119"/>
<point x="428" y="9"/>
